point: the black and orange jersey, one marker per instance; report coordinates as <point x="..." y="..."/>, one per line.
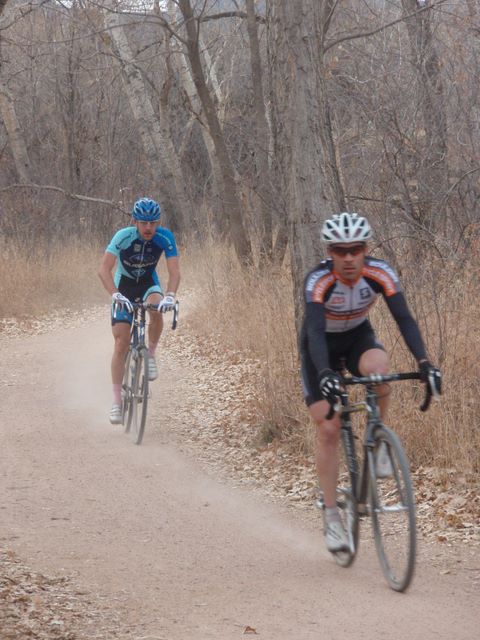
<point x="333" y="305"/>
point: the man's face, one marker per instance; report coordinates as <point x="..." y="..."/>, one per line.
<point x="146" y="229"/>
<point x="348" y="259"/>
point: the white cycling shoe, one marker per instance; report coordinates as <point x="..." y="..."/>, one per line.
<point x="335" y="537"/>
<point x="383" y="464"/>
<point x="152" y="369"/>
<point x="115" y="414"/>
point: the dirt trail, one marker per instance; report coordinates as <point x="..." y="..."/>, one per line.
<point x="178" y="553"/>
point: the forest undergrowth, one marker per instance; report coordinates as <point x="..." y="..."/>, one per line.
<point x="239" y="341"/>
<point x="252" y="313"/>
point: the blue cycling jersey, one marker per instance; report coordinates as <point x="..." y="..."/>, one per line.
<point x="137" y="258"/>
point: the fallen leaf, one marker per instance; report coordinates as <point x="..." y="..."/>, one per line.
<point x="250" y="630"/>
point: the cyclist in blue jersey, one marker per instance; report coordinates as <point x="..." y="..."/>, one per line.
<point x="135" y="252"/>
<point x="339" y="293"/>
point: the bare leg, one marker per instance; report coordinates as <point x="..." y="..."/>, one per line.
<point x="155" y="325"/>
<point x="327" y="438"/>
<point x="121" y="336"/>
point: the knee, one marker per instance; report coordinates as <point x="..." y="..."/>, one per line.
<point x="121" y="344"/>
<point x="156" y="318"/>
<point x="374" y="361"/>
<point x="328" y="433"/>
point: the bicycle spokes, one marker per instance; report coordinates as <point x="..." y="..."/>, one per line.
<point x="393" y="516"/>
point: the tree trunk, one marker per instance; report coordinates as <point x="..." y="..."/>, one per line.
<point x="17" y="142"/>
<point x="18" y="146"/>
<point x="159" y="148"/>
<point x="302" y="129"/>
<point x="431" y="170"/>
<point x="261" y="140"/>
<point x="231" y="201"/>
<point x="181" y="62"/>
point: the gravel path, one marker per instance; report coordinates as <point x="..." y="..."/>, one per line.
<point x="178" y="538"/>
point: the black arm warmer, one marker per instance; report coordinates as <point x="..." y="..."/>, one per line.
<point x="314" y="327"/>
<point x="407" y="325"/>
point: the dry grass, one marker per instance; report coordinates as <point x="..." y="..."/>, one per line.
<point x="254" y="313"/>
<point x="252" y="316"/>
<point x="39" y="281"/>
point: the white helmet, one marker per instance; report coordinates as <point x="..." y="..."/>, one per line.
<point x="346" y="227"/>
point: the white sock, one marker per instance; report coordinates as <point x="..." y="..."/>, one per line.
<point x="332" y="514"/>
<point x="117" y="394"/>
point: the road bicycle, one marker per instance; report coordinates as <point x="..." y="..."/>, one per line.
<point x="135" y="391"/>
<point x="361" y="491"/>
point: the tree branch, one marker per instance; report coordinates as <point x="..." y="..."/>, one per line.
<point x="366" y="34"/>
<point x="230" y="14"/>
<point x="73" y="196"/>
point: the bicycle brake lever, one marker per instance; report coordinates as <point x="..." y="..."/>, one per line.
<point x="175" y="315"/>
<point x="428" y="398"/>
<point x="334" y="408"/>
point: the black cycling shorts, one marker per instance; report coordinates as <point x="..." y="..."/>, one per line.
<point x="135" y="292"/>
<point x="345" y="348"/>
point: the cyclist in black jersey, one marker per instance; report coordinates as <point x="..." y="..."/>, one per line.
<point x="339" y="293"/>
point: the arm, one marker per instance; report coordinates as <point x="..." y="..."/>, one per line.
<point x="173" y="267"/>
<point x="315" y="324"/>
<point x="407" y="325"/>
<point x="105" y="272"/>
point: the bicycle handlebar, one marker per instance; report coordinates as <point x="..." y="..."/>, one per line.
<point x="148" y="306"/>
<point x="375" y="378"/>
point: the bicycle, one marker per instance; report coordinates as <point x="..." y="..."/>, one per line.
<point x="365" y="493"/>
<point x="135" y="392"/>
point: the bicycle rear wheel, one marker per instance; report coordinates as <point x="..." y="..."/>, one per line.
<point x="393" y="513"/>
<point x="137" y="409"/>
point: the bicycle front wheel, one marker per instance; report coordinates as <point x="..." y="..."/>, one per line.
<point x="137" y="410"/>
<point x="127" y="390"/>
<point x="346" y="499"/>
<point x="393" y="510"/>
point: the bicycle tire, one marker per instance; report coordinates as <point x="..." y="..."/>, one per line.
<point x="392" y="504"/>
<point x="126" y="390"/>
<point x="137" y="415"/>
<point x="347" y="502"/>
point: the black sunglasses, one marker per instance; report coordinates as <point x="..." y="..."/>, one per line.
<point x="342" y="252"/>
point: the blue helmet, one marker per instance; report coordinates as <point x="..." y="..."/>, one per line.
<point x="146" y="210"/>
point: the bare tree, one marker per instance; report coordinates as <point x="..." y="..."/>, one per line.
<point x="431" y="160"/>
<point x="302" y="126"/>
<point x="261" y="137"/>
<point x="156" y="139"/>
<point x="231" y="200"/>
<point x="14" y="130"/>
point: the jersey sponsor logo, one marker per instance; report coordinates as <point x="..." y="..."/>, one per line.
<point x="321" y="287"/>
<point x="140" y="259"/>
<point x="348" y="314"/>
<point x="383" y="278"/>
<point x="380" y="264"/>
<point x="365" y="293"/>
<point x="312" y="279"/>
<point x="336" y="300"/>
<point x="137" y="247"/>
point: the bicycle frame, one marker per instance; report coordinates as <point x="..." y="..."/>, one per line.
<point x="137" y="328"/>
<point x="377" y="494"/>
<point x="135" y="386"/>
<point x="359" y="480"/>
